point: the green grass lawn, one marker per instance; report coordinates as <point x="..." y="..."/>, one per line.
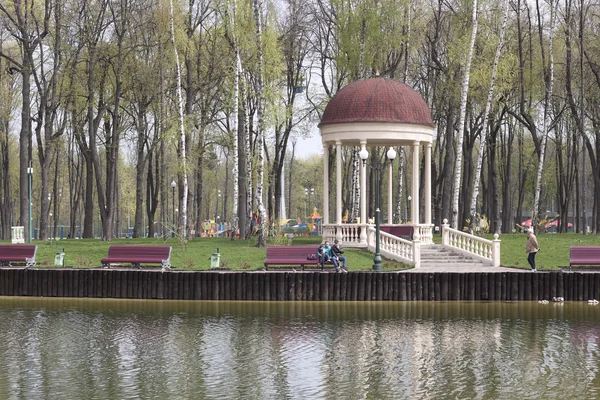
<point x="243" y="255"/>
<point x="195" y="254"/>
<point x="554" y="249"/>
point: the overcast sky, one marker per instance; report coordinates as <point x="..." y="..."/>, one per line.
<point x="309" y="146"/>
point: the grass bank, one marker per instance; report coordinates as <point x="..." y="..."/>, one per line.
<point x="243" y="255"/>
<point x="194" y="255"/>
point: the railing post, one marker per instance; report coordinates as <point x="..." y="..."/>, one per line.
<point x="496" y="251"/>
<point x="445" y="233"/>
<point x="417" y="253"/>
<point x="363" y="233"/>
<point x="339" y="235"/>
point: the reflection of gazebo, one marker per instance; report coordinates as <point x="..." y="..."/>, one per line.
<point x="377" y="112"/>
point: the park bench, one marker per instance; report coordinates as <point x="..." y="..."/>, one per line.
<point x="138" y="255"/>
<point x="293" y="255"/>
<point x="21" y="253"/>
<point x="584" y="255"/>
<point x="402" y="231"/>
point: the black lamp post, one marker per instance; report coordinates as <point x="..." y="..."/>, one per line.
<point x="308" y="191"/>
<point x="29" y="174"/>
<point x="391" y="155"/>
<point x="217" y="207"/>
<point x="173" y="186"/>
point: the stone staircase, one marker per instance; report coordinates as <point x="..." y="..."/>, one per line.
<point x="434" y="255"/>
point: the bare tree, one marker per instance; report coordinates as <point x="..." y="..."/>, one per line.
<point x="548" y="85"/>
<point x="461" y="125"/>
<point x="486" y="114"/>
<point x="182" y="174"/>
<point x="28" y="28"/>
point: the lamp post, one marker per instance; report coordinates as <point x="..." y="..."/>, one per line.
<point x="128" y="215"/>
<point x="30" y="173"/>
<point x="57" y="213"/>
<point x="217" y="206"/>
<point x="308" y="191"/>
<point x="409" y="199"/>
<point x="306" y="207"/>
<point x="49" y="224"/>
<point x="51" y="230"/>
<point x="391" y="155"/>
<point x="173" y="186"/>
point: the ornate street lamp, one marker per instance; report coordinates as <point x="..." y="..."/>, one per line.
<point x="379" y="166"/>
<point x="30" y="173"/>
<point x="217" y="207"/>
<point x="173" y="186"/>
<point x="308" y="191"/>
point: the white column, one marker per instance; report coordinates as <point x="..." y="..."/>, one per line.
<point x="338" y="182"/>
<point x="390" y="193"/>
<point x="363" y="197"/>
<point x="428" y="183"/>
<point x="415" y="189"/>
<point x="325" y="183"/>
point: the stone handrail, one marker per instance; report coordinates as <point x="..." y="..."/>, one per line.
<point x="475" y="246"/>
<point x="425" y="233"/>
<point x="329" y="232"/>
<point x="348" y="234"/>
<point x="395" y="248"/>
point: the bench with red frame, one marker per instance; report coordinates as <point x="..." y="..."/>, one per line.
<point x="18" y="253"/>
<point x="138" y="255"/>
<point x="293" y="255"/>
<point x="402" y="231"/>
<point x="584" y="255"/>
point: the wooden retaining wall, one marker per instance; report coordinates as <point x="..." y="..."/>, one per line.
<point x="357" y="286"/>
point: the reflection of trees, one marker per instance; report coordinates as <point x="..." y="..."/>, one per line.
<point x="304" y="350"/>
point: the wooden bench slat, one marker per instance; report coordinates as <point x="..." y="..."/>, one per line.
<point x="292" y="255"/>
<point x="402" y="231"/>
<point x="584" y="255"/>
<point x="136" y="255"/>
<point x="18" y="253"/>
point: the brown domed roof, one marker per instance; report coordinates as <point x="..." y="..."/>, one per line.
<point x="377" y="100"/>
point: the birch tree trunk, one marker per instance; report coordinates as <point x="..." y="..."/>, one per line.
<point x="248" y="143"/>
<point x="406" y="50"/>
<point x="486" y="115"/>
<point x="182" y="174"/>
<point x="363" y="34"/>
<point x="234" y="123"/>
<point x="463" y="111"/>
<point x="260" y="106"/>
<point x="549" y="82"/>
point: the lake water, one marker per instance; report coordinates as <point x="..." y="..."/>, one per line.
<point x="139" y="349"/>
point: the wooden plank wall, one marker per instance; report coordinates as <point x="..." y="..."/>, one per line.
<point x="298" y="286"/>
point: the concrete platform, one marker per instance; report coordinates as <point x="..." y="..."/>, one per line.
<point x="466" y="268"/>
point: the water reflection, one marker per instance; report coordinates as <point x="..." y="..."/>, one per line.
<point x="99" y="349"/>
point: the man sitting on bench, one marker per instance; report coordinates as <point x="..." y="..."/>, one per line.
<point x="325" y="254"/>
<point x="337" y="252"/>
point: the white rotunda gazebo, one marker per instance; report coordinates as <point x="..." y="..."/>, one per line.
<point x="382" y="112"/>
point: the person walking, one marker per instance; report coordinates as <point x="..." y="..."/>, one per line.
<point x="337" y="251"/>
<point x="532" y="247"/>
